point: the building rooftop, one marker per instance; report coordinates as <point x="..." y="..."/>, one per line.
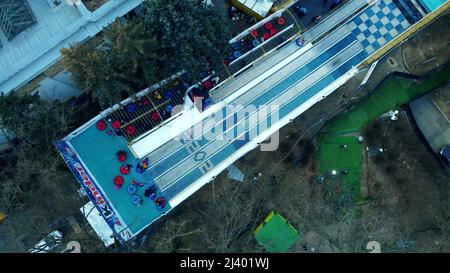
<point x="37" y="47"/>
<point x="15" y="16"/>
<point x="182" y="158"/>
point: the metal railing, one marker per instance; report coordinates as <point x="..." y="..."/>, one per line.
<point x="148" y="110"/>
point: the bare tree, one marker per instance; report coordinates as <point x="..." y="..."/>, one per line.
<point x="164" y="241"/>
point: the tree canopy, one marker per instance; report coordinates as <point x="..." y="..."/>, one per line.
<point x="190" y="37"/>
<point x="116" y="67"/>
<point x="31" y="163"/>
<point x="167" y="37"/>
<point x="131" y="51"/>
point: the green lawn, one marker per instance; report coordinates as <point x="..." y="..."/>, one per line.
<point x="394" y="92"/>
<point x="333" y="156"/>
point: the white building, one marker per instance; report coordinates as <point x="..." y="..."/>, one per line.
<point x="57" y="24"/>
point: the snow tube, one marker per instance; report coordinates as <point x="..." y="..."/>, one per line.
<point x="168" y="95"/>
<point x="281" y="21"/>
<point x="131" y="189"/>
<point x="118" y="182"/>
<point x="266" y="36"/>
<point x="101" y="125"/>
<point x="121" y="156"/>
<point x="136" y="200"/>
<point x="237" y="54"/>
<point x="116" y="124"/>
<point x="269" y="25"/>
<point x="168" y="108"/>
<point x="273" y="31"/>
<point x="255" y="43"/>
<point x="254" y="33"/>
<point x="145" y="101"/>
<point x="124" y="169"/>
<point x="155" y="115"/>
<point x="131" y="108"/>
<point x="130" y="130"/>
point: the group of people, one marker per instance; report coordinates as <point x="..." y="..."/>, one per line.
<point x="121" y="126"/>
<point x="149" y="192"/>
<point x="142" y="166"/>
<point x="124" y="170"/>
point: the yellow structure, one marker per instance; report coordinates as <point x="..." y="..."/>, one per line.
<point x="2" y="216"/>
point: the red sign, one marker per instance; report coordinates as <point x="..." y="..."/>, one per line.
<point x="88" y="183"/>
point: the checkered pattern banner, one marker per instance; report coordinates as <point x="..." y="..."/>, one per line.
<point x="378" y="25"/>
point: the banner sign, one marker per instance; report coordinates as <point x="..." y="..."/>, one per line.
<point x="93" y="192"/>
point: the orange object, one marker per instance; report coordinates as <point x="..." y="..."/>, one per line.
<point x="144" y="165"/>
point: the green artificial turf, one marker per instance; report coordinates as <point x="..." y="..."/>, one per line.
<point x="275" y="234"/>
<point x="333" y="156"/>
<point x="394" y="92"/>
